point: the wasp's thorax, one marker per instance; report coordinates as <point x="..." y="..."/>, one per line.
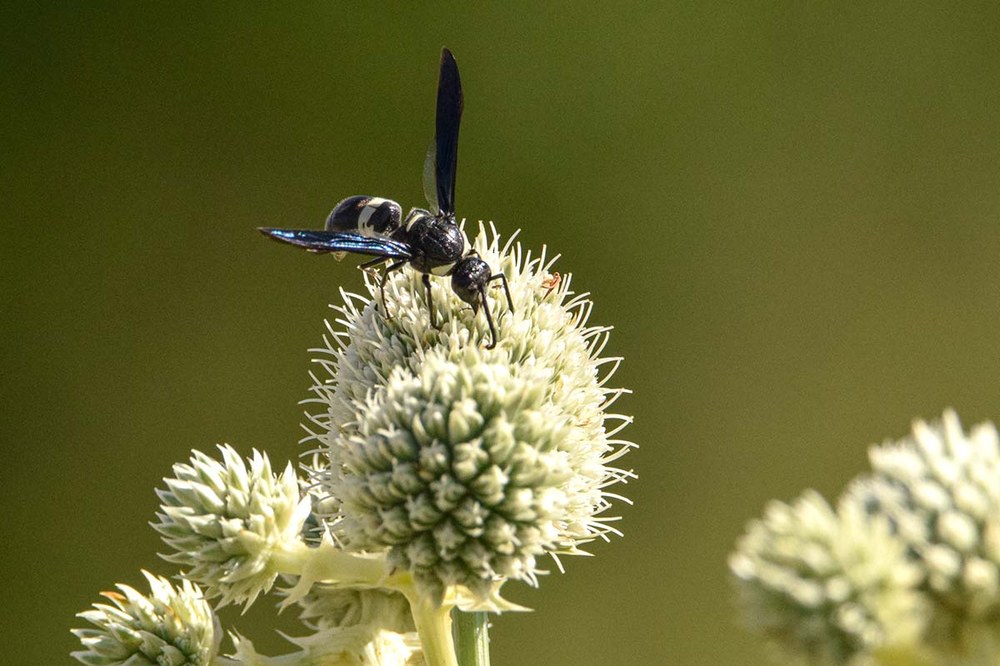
<point x="437" y="242"/>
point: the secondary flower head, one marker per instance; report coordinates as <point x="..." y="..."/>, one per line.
<point x="226" y="522"/>
<point x="173" y="626"/>
<point x="827" y="585"/>
<point x="327" y="607"/>
<point x="941" y="490"/>
<point x="465" y="464"/>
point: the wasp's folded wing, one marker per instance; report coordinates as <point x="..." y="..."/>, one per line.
<point x="341" y="241"/>
<point x="441" y="164"/>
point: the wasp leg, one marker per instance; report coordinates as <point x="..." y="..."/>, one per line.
<point x="489" y="316"/>
<point x="374" y="262"/>
<point x="385" y="277"/>
<point x="506" y="289"/>
<point x="368" y="268"/>
<point x="430" y="301"/>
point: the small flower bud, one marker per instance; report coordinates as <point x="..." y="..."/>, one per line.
<point x="170" y="627"/>
<point x="226" y="522"/>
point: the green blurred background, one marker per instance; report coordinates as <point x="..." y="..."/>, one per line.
<point x="788" y="210"/>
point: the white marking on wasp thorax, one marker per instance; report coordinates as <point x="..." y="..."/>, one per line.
<point x="414" y="216"/>
<point x="441" y="271"/>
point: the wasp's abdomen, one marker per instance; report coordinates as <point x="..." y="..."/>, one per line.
<point x="371" y="216"/>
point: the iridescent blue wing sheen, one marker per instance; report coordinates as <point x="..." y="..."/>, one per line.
<point x="341" y="241"/>
<point x="441" y="164"/>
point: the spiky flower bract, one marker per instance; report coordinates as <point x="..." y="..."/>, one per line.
<point x="362" y="626"/>
<point x="359" y="645"/>
<point x="173" y="626"/>
<point x="465" y="464"/>
<point x="827" y="585"/>
<point x="226" y="522"/>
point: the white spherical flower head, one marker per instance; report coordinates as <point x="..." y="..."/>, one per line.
<point x="827" y="586"/>
<point x="466" y="463"/>
<point x="173" y="626"/>
<point x="227" y="522"/>
<point x="941" y="490"/>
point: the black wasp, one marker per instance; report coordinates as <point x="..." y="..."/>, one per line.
<point x="430" y="242"/>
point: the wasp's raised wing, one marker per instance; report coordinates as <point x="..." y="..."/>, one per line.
<point x="441" y="164"/>
<point x="341" y="241"/>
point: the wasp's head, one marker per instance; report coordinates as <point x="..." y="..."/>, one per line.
<point x="469" y="278"/>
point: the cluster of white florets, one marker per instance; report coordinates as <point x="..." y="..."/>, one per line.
<point x="909" y="563"/>
<point x="941" y="490"/>
<point x="827" y="583"/>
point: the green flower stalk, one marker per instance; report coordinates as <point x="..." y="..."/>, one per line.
<point x="907" y="570"/>
<point x="440" y="471"/>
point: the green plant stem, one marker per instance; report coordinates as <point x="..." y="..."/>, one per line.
<point x="433" y="624"/>
<point x="472" y="638"/>
<point x="329" y="564"/>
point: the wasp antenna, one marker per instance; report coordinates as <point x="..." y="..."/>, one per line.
<point x="506" y="288"/>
